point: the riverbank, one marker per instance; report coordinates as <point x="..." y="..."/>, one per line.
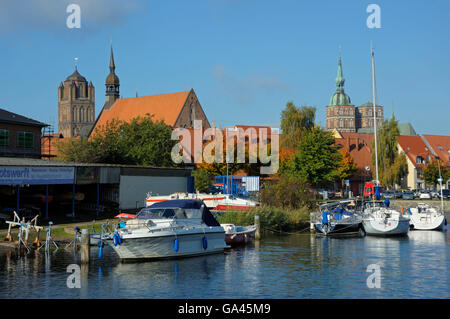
<point x="271" y="218"/>
<point x="61" y="234"/>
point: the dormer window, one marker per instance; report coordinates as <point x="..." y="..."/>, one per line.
<point x="419" y="160"/>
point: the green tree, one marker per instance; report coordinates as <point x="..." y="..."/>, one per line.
<point x="295" y="123"/>
<point x="147" y="142"/>
<point x="431" y="173"/>
<point x="141" y="141"/>
<point x="346" y="166"/>
<point x="392" y="166"/>
<point x="316" y="159"/>
<point x="202" y="180"/>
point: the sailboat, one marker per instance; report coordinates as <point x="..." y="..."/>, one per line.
<point x="378" y="217"/>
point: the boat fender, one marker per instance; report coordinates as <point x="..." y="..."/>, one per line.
<point x="176" y="245"/>
<point x="445" y="223"/>
<point x="205" y="242"/>
<point x="119" y="239"/>
<point x="100" y="249"/>
<point x="115" y="240"/>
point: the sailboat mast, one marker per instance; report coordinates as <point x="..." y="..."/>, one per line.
<point x="375" y="118"/>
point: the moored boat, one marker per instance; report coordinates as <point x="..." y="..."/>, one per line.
<point x="169" y="229"/>
<point x="337" y="218"/>
<point x="231" y="203"/>
<point x="381" y="220"/>
<point x="426" y="217"/>
<point x="238" y="235"/>
<point x="210" y="200"/>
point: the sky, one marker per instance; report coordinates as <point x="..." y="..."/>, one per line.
<point x="245" y="59"/>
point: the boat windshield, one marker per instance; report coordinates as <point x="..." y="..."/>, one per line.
<point x="164" y="213"/>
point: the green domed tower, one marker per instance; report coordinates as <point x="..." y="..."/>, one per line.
<point x="340" y="111"/>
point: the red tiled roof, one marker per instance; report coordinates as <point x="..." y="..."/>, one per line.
<point x="165" y="107"/>
<point x="414" y="146"/>
<point x="358" y="146"/>
<point x="441" y="145"/>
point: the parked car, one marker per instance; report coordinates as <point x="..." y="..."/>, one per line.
<point x="435" y="194"/>
<point x="424" y="194"/>
<point x="398" y="194"/>
<point x="408" y="195"/>
<point x="321" y="193"/>
<point x="389" y="194"/>
<point x="445" y="193"/>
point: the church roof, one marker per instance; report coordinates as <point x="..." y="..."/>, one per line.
<point x="165" y="107"/>
<point x="340" y="98"/>
<point x="369" y="104"/>
<point x="75" y="76"/>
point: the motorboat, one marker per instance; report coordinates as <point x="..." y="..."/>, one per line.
<point x="383" y="220"/>
<point x="230" y="202"/>
<point x="210" y="200"/>
<point x="426" y="217"/>
<point x="338" y="217"/>
<point x="215" y="202"/>
<point x="238" y="235"/>
<point x="169" y="229"/>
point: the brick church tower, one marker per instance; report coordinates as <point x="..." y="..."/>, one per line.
<point x="76" y="106"/>
<point x="340" y="111"/>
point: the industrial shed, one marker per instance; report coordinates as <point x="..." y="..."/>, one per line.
<point x="57" y="188"/>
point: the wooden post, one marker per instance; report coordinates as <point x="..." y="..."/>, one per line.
<point x="258" y="228"/>
<point x="85" y="248"/>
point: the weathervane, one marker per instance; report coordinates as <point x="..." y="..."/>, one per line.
<point x="76" y="60"/>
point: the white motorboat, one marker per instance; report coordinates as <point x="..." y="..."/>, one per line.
<point x="215" y="202"/>
<point x="378" y="219"/>
<point x="337" y="218"/>
<point x="210" y="200"/>
<point x="169" y="229"/>
<point x="230" y="202"/>
<point x="426" y="217"/>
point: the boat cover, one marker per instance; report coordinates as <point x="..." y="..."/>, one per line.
<point x="207" y="216"/>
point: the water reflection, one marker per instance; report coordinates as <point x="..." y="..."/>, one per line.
<point x="294" y="266"/>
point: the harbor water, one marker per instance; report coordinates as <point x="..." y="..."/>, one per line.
<point x="279" y="266"/>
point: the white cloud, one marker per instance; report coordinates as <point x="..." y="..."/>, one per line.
<point x="244" y="88"/>
<point x="51" y="15"/>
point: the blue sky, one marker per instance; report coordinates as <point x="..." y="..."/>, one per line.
<point x="244" y="58"/>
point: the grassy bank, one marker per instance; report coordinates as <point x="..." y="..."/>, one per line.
<point x="60" y="233"/>
<point x="271" y="218"/>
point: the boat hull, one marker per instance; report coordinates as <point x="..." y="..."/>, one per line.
<point x="431" y="223"/>
<point x="240" y="238"/>
<point x="163" y="246"/>
<point x="340" y="228"/>
<point x="378" y="227"/>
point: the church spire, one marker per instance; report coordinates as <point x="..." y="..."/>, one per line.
<point x="112" y="66"/>
<point x="112" y="82"/>
<point x="340" y="77"/>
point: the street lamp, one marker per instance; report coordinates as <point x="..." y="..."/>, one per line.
<point x="440" y="183"/>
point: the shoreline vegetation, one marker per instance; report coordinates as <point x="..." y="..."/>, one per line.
<point x="274" y="219"/>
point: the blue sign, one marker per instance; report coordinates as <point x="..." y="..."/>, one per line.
<point x="31" y="175"/>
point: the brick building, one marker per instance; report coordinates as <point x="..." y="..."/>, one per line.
<point x="19" y="136"/>
<point x="343" y="116"/>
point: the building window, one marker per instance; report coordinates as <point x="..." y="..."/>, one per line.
<point x="419" y="160"/>
<point x="4" y="137"/>
<point x="25" y="139"/>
